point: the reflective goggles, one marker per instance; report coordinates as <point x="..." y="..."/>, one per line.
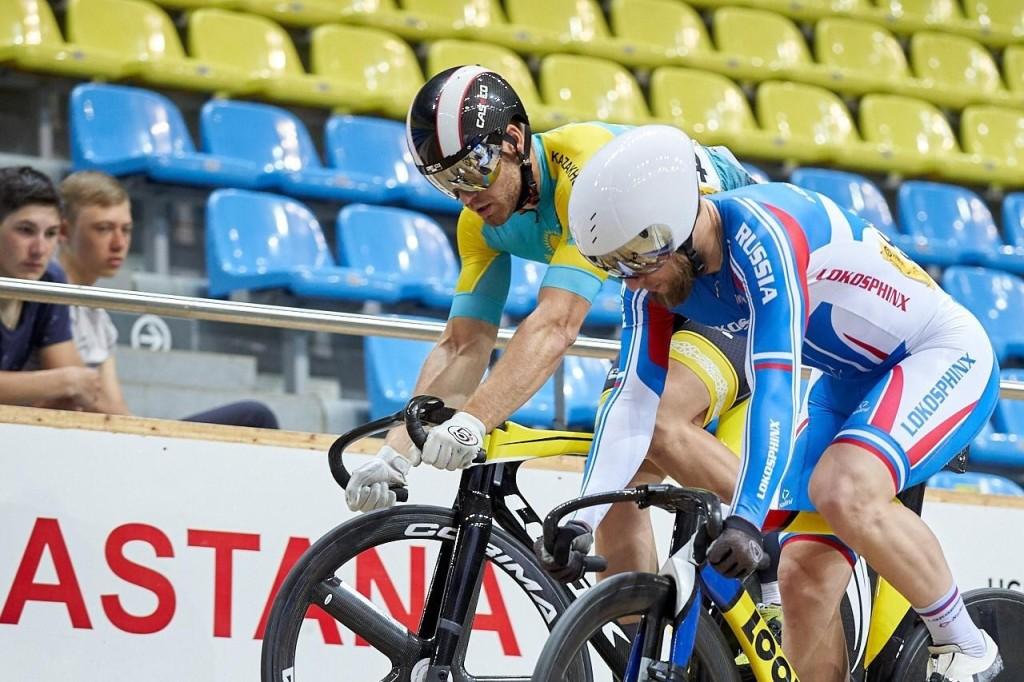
<point x="474" y="169"/>
<point x="641" y="255"/>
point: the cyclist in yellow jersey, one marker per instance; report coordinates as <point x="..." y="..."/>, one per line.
<point x="470" y="136"/>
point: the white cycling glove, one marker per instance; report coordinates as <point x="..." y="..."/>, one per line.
<point x="368" y="486"/>
<point x="453" y="444"/>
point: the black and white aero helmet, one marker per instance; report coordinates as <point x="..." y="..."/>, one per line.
<point x="456" y="126"/>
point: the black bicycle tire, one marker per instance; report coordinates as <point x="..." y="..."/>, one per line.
<point x="345" y="541"/>
<point x="611" y="599"/>
<point x="913" y="657"/>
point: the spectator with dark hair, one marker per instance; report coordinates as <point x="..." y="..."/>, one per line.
<point x="29" y="228"/>
<point x="95" y="236"/>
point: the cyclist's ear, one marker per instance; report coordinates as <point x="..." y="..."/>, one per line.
<point x="515" y="140"/>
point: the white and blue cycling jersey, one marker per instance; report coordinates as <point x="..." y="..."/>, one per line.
<point x="652" y="337"/>
<point x="901" y="369"/>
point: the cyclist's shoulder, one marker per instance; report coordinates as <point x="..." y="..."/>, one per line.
<point x="719" y="170"/>
<point x="757" y="204"/>
<point x="565" y="149"/>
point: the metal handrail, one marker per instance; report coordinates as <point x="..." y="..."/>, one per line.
<point x="284" y="317"/>
<point x="256" y="314"/>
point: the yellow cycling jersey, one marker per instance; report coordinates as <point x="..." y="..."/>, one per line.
<point x="542" y="234"/>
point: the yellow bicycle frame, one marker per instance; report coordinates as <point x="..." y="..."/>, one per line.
<point x="512" y="442"/>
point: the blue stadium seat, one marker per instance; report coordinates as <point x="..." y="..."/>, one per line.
<point x="377" y="146"/>
<point x="1013" y="218"/>
<point x="991" y="448"/>
<point x="539" y="410"/>
<point x="756" y="172"/>
<point x="127" y="131"/>
<point x="851" y="191"/>
<point x="1009" y="415"/>
<point x="403" y="245"/>
<point x="606" y="310"/>
<point x="526" y="276"/>
<point x="975" y="482"/>
<point x="392" y="366"/>
<point x="996" y="299"/>
<point x="258" y="241"/>
<point x="956" y="224"/>
<point x="584" y="381"/>
<point x="276" y="140"/>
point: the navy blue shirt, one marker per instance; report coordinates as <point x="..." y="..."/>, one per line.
<point x="40" y="325"/>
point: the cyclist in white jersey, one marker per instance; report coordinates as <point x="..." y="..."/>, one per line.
<point x="904" y="378"/>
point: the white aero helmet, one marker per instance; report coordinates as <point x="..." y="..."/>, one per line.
<point x="635" y="201"/>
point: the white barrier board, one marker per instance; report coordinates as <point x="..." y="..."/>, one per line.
<point x="127" y="557"/>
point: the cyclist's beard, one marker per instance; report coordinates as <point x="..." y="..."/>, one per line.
<point x="680" y="284"/>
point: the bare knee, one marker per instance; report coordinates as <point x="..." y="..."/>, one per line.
<point x="843" y="499"/>
<point x="674" y="439"/>
<point x="800" y="587"/>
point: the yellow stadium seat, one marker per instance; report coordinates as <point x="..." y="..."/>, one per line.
<point x="962" y="69"/>
<point x="1013" y="68"/>
<point x="997" y="15"/>
<point x="423" y="20"/>
<point x="292" y="13"/>
<point x="670" y="26"/>
<point x="257" y="45"/>
<point x="444" y="54"/>
<point x="758" y="45"/>
<point x="31" y="41"/>
<point x="711" y="108"/>
<point x="862" y="56"/>
<point x="417" y="21"/>
<point x="147" y="39"/>
<point x="801" y="10"/>
<point x="807" y="122"/>
<point x="996" y="135"/>
<point x="596" y="89"/>
<point x="927" y="12"/>
<point x="582" y="28"/>
<point x="197" y="4"/>
<point x="910" y="16"/>
<point x="907" y="136"/>
<point x="375" y="62"/>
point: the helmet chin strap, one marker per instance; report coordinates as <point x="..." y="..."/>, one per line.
<point x="686" y="248"/>
<point x="528" y="192"/>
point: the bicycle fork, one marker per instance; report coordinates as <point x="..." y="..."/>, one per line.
<point x="767" y="660"/>
<point x="446" y="620"/>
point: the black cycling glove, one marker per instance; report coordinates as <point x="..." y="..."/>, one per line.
<point x="738" y="551"/>
<point x="572" y="544"/>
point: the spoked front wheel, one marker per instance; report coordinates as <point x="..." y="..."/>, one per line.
<point x="998" y="612"/>
<point x="386" y="557"/>
<point x="621" y="596"/>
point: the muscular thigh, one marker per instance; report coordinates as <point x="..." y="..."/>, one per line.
<point x="914" y="418"/>
<point x="705" y="371"/>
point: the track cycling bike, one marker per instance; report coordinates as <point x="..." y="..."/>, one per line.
<point x="689" y="611"/>
<point x="489" y="527"/>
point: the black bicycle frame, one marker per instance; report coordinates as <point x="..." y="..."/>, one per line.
<point x="481" y="500"/>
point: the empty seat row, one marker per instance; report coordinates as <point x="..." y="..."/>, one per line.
<point x="392" y="365"/>
<point x="939" y="224"/>
<point x="126" y="131"/>
<point x="547" y="25"/>
<point x="365" y="69"/>
<point x="993" y="22"/>
<point x="259" y="241"/>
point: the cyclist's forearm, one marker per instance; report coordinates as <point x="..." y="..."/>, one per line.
<point x="450" y="373"/>
<point x="530" y="359"/>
